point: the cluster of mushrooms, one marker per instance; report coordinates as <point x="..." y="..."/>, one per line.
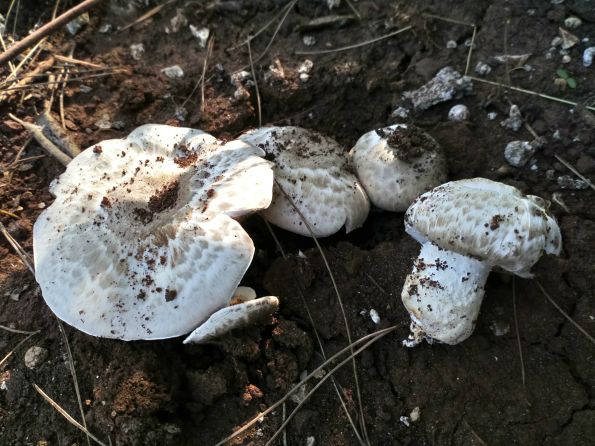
<point x="144" y="239"/>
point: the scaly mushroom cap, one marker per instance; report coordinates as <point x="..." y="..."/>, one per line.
<point x="313" y="170"/>
<point x="140" y="242"/>
<point x="487" y="220"/>
<point x="396" y="164"/>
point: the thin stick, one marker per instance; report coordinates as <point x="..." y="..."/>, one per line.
<point x="533" y="93"/>
<point x="46" y="30"/>
<point x="43" y="141"/>
<point x="321" y="382"/>
<point x="468" y="64"/>
<point x="9" y="214"/>
<point x="356" y="45"/>
<point x="18" y="248"/>
<point x="255" y="85"/>
<point x="577" y="326"/>
<point x="67" y="416"/>
<point x="518" y="333"/>
<point x="447" y="19"/>
<point x="314" y="372"/>
<point x="22" y="83"/>
<point x="340" y="301"/>
<point x="574" y="171"/>
<point x="80" y="78"/>
<point x="82" y="63"/>
<point x="147" y="15"/>
<point x="316" y="334"/>
<point x="74" y="379"/>
<point x="14" y="330"/>
<point x="204" y="74"/>
<point x="263" y="28"/>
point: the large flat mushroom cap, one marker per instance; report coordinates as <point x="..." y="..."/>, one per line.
<point x="140" y="242"/>
<point x="313" y="170"/>
<point x="486" y="220"/>
<point x="396" y="164"/>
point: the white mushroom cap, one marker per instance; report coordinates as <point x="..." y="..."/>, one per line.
<point x="487" y="220"/>
<point x="313" y="170"/>
<point x="244" y="310"/>
<point x="140" y="242"/>
<point x="396" y="164"/>
<point x="443" y="295"/>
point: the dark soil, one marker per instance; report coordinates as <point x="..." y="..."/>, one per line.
<point x="166" y="393"/>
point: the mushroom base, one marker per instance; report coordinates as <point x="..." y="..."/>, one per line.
<point x="443" y="295"/>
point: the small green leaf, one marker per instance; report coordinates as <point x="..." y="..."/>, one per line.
<point x="571" y="82"/>
<point x="561" y="72"/>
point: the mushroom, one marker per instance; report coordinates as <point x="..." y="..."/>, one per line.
<point x="466" y="228"/>
<point x="244" y="310"/>
<point x="396" y="164"/>
<point x="313" y="171"/>
<point x="141" y="241"/>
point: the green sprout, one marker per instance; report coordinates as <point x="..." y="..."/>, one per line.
<point x="563" y="74"/>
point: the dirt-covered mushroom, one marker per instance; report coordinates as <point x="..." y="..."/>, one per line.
<point x="141" y="241"/>
<point x="244" y="309"/>
<point x="313" y="170"/>
<point x="466" y="228"/>
<point x="396" y="164"/>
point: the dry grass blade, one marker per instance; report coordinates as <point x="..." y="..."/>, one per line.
<point x="574" y="171"/>
<point x="9" y="214"/>
<point x="263" y="28"/>
<point x="18" y="248"/>
<point x="14" y="330"/>
<point x="67" y="416"/>
<point x="10" y="353"/>
<point x="255" y="85"/>
<point x="316" y="334"/>
<point x="339" y="300"/>
<point x="73" y="79"/>
<point x="518" y="333"/>
<point x="74" y="378"/>
<point x="201" y="80"/>
<point x="356" y="45"/>
<point x="147" y="15"/>
<point x="325" y="377"/>
<point x="25" y="80"/>
<point x="349" y="348"/>
<point x="563" y="313"/>
<point x="83" y="63"/>
<point x="530" y="92"/>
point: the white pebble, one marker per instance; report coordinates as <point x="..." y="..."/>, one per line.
<point x="459" y="113"/>
<point x="451" y="44"/>
<point x="201" y="34"/>
<point x="572" y="22"/>
<point x="556" y="41"/>
<point x="304" y="70"/>
<point x="374" y="316"/>
<point x="492" y="115"/>
<point x="309" y="40"/>
<point x="588" y="56"/>
<point x="517" y="153"/>
<point x="415" y="414"/>
<point x="400" y="112"/>
<point x="173" y="72"/>
<point x="405" y="420"/>
<point x="137" y="50"/>
<point x="482" y="68"/>
<point x="35" y="356"/>
<point x="566" y="58"/>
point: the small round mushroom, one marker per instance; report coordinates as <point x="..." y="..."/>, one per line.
<point x="466" y="228"/>
<point x="141" y="241"/>
<point x="244" y="309"/>
<point x="396" y="164"/>
<point x="313" y="170"/>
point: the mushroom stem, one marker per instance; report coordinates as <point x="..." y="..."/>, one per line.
<point x="443" y="295"/>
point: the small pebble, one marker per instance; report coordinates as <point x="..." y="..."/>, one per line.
<point x="556" y="41"/>
<point x="35" y="356"/>
<point x="309" y="40"/>
<point x="492" y="115"/>
<point x="517" y="153"/>
<point x="105" y="28"/>
<point x="514" y="120"/>
<point x="310" y="441"/>
<point x="304" y="70"/>
<point x="482" y="68"/>
<point x="137" y="50"/>
<point x="400" y="112"/>
<point x="173" y="72"/>
<point x="572" y="22"/>
<point x="405" y="420"/>
<point x="459" y="113"/>
<point x="201" y="34"/>
<point x="374" y="316"/>
<point x="415" y="414"/>
<point x="566" y="59"/>
<point x="499" y="328"/>
<point x="451" y="44"/>
<point x="588" y="56"/>
<point x="572" y="183"/>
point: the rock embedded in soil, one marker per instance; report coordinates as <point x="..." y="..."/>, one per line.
<point x="35" y="356"/>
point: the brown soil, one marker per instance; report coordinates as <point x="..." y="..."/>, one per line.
<point x="166" y="393"/>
